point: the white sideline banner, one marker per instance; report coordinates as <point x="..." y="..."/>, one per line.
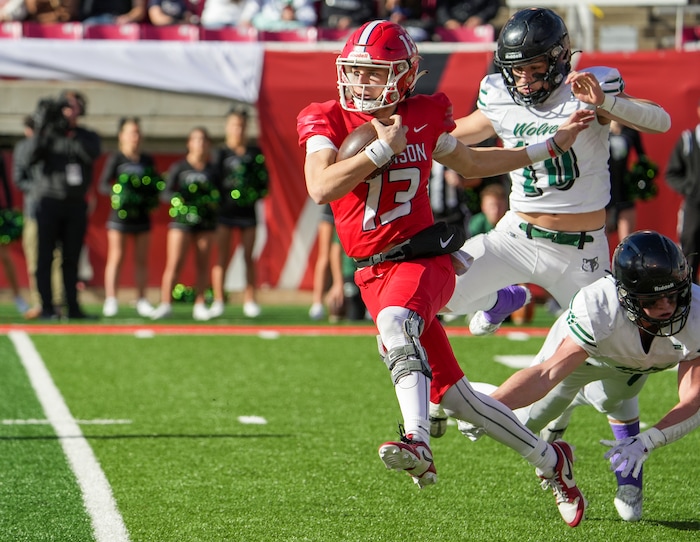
<point x="223" y="69"/>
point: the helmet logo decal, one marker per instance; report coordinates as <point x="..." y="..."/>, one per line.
<point x="359" y="54"/>
<point x="590" y="264"/>
<point x="664" y="287"/>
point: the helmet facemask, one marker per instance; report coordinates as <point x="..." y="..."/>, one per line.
<point x="558" y="66"/>
<point x="635" y="304"/>
<point x="390" y="95"/>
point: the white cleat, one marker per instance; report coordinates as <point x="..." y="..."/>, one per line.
<point x="144" y="308"/>
<point x="251" y="309"/>
<point x="161" y="311"/>
<point x="317" y="311"/>
<point x="110" y="307"/>
<point x="628" y="502"/>
<point x="413" y="457"/>
<point x="200" y="312"/>
<point x="479" y="325"/>
<point x="570" y="501"/>
<point x="216" y="309"/>
<point x="517" y="296"/>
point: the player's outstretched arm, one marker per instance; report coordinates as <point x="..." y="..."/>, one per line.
<point x="473" y="162"/>
<point x="474" y="128"/>
<point x="678" y="422"/>
<point x="532" y="383"/>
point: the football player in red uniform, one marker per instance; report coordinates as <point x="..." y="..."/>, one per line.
<point x="406" y="267"/>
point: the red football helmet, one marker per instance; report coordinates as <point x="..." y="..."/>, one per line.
<point x="378" y="44"/>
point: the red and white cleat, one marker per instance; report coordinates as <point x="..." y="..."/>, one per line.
<point x="570" y="501"/>
<point x="414" y="457"/>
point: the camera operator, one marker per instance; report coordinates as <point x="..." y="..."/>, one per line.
<point x="61" y="156"/>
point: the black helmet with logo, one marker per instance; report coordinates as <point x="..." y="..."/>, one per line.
<point x="529" y="35"/>
<point x="648" y="266"/>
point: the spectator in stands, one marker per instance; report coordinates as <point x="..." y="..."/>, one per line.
<point x="130" y="179"/>
<point x="113" y="11"/>
<point x="13" y="10"/>
<point x="453" y="14"/>
<point x="9" y="232"/>
<point x="416" y="16"/>
<point x="21" y="174"/>
<point x="244" y="181"/>
<point x="170" y="12"/>
<point x="192" y="188"/>
<point x="53" y="11"/>
<point x="284" y="14"/>
<point x="346" y="14"/>
<point x="61" y="156"/>
<point x="221" y="13"/>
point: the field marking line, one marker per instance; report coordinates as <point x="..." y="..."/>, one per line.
<point x="107" y="522"/>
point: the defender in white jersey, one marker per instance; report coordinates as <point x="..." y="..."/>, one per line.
<point x="553" y="234"/>
<point x="600" y="352"/>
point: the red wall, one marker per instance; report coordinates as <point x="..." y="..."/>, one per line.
<point x="292" y="80"/>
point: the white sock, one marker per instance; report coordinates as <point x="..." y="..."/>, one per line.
<point x="413" y="393"/>
<point x="543" y="458"/>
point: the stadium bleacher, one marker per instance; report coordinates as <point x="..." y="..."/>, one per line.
<point x="187" y="32"/>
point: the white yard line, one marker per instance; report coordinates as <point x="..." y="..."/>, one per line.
<point x="107" y="522"/>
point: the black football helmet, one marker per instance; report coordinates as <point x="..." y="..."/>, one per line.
<point x="533" y="34"/>
<point x="646" y="267"/>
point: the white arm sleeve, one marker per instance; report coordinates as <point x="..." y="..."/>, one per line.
<point x="318" y="142"/>
<point x="681" y="429"/>
<point x="641" y="114"/>
<point x="446" y="143"/>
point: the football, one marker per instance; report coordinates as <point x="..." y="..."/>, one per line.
<point x="357" y="141"/>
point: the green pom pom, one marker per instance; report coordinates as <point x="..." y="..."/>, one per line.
<point x="11" y="225"/>
<point x="136" y="195"/>
<point x="196" y="205"/>
<point x="249" y="181"/>
<point x="639" y="181"/>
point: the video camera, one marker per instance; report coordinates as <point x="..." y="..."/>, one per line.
<point x="49" y="117"/>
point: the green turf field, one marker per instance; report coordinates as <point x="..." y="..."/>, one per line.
<point x="168" y="419"/>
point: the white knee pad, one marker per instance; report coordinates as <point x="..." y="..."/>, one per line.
<point x="399" y="342"/>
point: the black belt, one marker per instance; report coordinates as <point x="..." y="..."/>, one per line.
<point x="372" y="260"/>
<point x="559" y="237"/>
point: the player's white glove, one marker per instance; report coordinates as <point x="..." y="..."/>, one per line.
<point x="633" y="450"/>
<point x="469" y="430"/>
